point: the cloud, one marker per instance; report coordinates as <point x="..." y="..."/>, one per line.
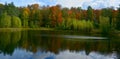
<point x="23" y="54"/>
<point x="96" y="4"/>
<point x="70" y="3"/>
<point x="72" y="55"/>
<point x="115" y="3"/>
<point x="26" y="2"/>
<point x="20" y="2"/>
<point x="18" y="54"/>
<point x="82" y="55"/>
<point x="104" y="3"/>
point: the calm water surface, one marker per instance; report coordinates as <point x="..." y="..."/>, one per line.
<point x="58" y="45"/>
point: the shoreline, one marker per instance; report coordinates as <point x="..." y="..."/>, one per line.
<point x="53" y="29"/>
<point x="21" y="29"/>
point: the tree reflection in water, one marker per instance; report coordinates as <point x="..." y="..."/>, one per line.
<point x="37" y="43"/>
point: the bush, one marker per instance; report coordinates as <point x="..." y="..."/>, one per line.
<point x="5" y="21"/>
<point x="104" y="24"/>
<point x="16" y="22"/>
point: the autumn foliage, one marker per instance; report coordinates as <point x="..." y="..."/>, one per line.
<point x="58" y="17"/>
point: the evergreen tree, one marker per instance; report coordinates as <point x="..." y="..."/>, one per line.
<point x="90" y="14"/>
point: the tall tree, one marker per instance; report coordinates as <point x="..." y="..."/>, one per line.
<point x="65" y="13"/>
<point x="5" y="20"/>
<point x="35" y="15"/>
<point x="45" y="17"/>
<point x="11" y="9"/>
<point x="55" y="16"/>
<point x="97" y="14"/>
<point x="1" y="8"/>
<point x="118" y="20"/>
<point x="15" y="22"/>
<point x="79" y="14"/>
<point x="90" y="14"/>
<point x="107" y="12"/>
<point x="25" y="16"/>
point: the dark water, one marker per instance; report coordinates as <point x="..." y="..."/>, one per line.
<point x="58" y="45"/>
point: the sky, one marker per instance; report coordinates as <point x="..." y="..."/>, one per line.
<point x="96" y="4"/>
<point x="23" y="54"/>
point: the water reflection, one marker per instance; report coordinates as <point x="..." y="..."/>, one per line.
<point x="73" y="36"/>
<point x="8" y="41"/>
<point x="35" y="45"/>
<point x="23" y="54"/>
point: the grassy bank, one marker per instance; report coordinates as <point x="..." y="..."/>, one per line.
<point x="20" y="29"/>
<point x="94" y="31"/>
<point x="10" y="29"/>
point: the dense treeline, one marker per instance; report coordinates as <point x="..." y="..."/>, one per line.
<point x="35" y="16"/>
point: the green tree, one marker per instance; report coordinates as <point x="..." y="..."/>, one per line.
<point x="65" y="13"/>
<point x="35" y="16"/>
<point x="16" y="22"/>
<point x="107" y="12"/>
<point x="1" y="8"/>
<point x="45" y="17"/>
<point x="11" y="9"/>
<point x="118" y="19"/>
<point x="5" y="21"/>
<point x="25" y="17"/>
<point x="104" y="24"/>
<point x="90" y="14"/>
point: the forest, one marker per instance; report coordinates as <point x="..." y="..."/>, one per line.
<point x="74" y="18"/>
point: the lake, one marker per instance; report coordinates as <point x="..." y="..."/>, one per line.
<point x="41" y="44"/>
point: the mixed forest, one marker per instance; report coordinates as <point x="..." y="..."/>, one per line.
<point x="74" y="18"/>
